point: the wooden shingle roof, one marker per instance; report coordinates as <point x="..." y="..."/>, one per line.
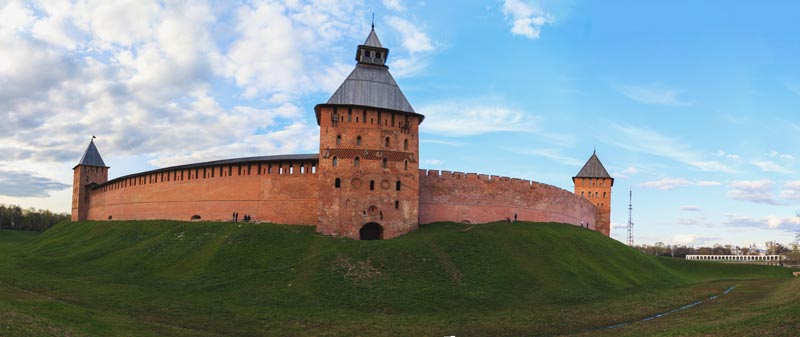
<point x="593" y="169"/>
<point x="91" y="157"/>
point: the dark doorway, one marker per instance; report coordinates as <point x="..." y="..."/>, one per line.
<point x="371" y="231"/>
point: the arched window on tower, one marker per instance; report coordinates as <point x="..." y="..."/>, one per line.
<point x="372" y="185"/>
<point x="405" y="165"/>
<point x="386" y="142"/>
<point x="396" y="204"/>
<point x="397" y="185"/>
<point x="581" y="193"/>
<point x="335" y="161"/>
<point x="604" y="195"/>
<point x="358" y="140"/>
<point x="338" y="139"/>
<point x="356" y="162"/>
<point x="385" y="163"/>
<point x="337" y="183"/>
<point x="405" y="144"/>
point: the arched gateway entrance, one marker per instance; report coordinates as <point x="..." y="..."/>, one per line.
<point x="371" y="231"/>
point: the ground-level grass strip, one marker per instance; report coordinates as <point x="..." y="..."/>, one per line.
<point x="170" y="278"/>
<point x="763" y="307"/>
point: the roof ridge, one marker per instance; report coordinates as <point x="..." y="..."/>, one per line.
<point x="593" y="169"/>
<point x="91" y="157"/>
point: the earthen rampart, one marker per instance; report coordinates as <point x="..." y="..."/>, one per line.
<point x="276" y="191"/>
<point x="480" y="198"/>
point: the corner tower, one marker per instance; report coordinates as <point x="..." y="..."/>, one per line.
<point x="90" y="171"/>
<point x="369" y="146"/>
<point x="594" y="183"/>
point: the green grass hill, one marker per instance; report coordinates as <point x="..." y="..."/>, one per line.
<point x="155" y="278"/>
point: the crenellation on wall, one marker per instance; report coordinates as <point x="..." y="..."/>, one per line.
<point x="496" y="198"/>
<point x="145" y="195"/>
<point x="364" y="183"/>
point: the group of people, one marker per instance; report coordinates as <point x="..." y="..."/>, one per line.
<point x="515" y="218"/>
<point x="235" y="217"/>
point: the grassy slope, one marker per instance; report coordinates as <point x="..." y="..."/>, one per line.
<point x="178" y="278"/>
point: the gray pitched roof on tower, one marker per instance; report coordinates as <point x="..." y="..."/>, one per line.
<point x="593" y="169"/>
<point x="91" y="157"/>
<point x="372" y="39"/>
<point x="371" y="86"/>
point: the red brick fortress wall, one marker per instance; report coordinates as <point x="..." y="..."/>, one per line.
<point x="479" y="198"/>
<point x="279" y="193"/>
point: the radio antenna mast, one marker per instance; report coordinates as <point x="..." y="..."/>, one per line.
<point x="630" y="217"/>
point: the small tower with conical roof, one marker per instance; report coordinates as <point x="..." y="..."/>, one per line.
<point x="594" y="183"/>
<point x="90" y="171"/>
<point x="369" y="145"/>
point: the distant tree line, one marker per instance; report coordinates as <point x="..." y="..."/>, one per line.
<point x="680" y="251"/>
<point x="39" y="220"/>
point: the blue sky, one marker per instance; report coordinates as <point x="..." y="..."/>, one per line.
<point x="692" y="105"/>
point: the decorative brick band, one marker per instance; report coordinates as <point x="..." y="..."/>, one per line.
<point x="370" y="154"/>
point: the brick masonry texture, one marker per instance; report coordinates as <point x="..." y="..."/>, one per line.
<point x="364" y="184"/>
<point x="479" y="198"/>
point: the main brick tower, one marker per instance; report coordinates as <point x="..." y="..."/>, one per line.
<point x="369" y="150"/>
<point x="594" y="183"/>
<point x="90" y="171"/>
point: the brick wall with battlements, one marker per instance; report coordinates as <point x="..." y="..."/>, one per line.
<point x="480" y="198"/>
<point x="279" y="192"/>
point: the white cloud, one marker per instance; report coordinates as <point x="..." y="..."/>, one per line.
<point x="616" y="225"/>
<point x="14" y="16"/>
<point x="280" y="47"/>
<point x="690" y="208"/>
<point x="757" y="191"/>
<point x="653" y="95"/>
<point x="406" y="66"/>
<point x="770" y="166"/>
<point x="630" y="171"/>
<point x="27" y="184"/>
<point x="724" y="154"/>
<point x="786" y="224"/>
<point x="777" y="154"/>
<point x="466" y="119"/>
<point x="653" y="143"/>
<point x="442" y="142"/>
<point x="416" y="42"/>
<point x="693" y="239"/>
<point x="666" y="184"/>
<point x="526" y="20"/>
<point x="395" y="5"/>
<point x="144" y="76"/>
<point x="554" y="154"/>
<point x="413" y="38"/>
<point x="433" y="162"/>
<point x="791" y="190"/>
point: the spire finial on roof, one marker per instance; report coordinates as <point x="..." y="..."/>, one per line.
<point x="91" y="157"/>
<point x="373" y="20"/>
<point x="593" y="168"/>
<point x="595" y="150"/>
